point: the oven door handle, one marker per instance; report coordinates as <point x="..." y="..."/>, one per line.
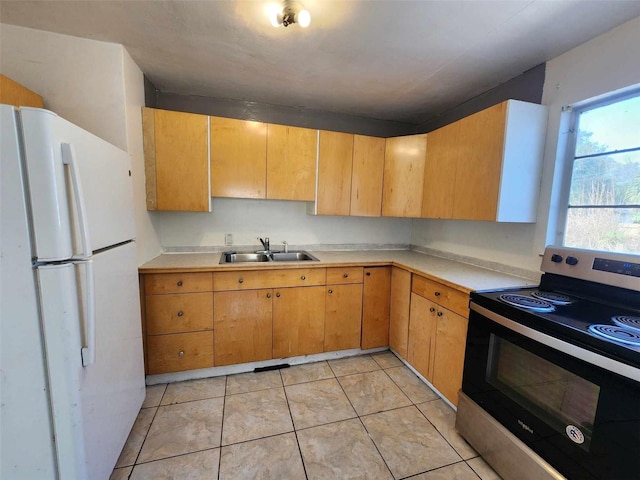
<point x="588" y="356"/>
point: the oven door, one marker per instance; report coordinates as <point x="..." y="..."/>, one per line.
<point x="582" y="419"/>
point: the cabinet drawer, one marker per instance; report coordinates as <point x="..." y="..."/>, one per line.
<point x="179" y="313"/>
<point x="177" y="283"/>
<point x="178" y="352"/>
<point x="337" y="276"/>
<point x="442" y="295"/>
<point x="251" y="280"/>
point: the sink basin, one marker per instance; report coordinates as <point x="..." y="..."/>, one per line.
<point x="292" y="256"/>
<point x="232" y="257"/>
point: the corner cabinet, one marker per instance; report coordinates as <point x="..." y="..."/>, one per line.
<point x="487" y="166"/>
<point x="176" y="151"/>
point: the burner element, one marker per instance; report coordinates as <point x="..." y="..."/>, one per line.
<point x="629" y="336"/>
<point x="554" y="298"/>
<point x="529" y="303"/>
<point x="627" y="321"/>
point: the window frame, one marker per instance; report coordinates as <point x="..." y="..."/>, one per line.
<point x="573" y="112"/>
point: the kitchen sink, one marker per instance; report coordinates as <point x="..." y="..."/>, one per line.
<point x="292" y="256"/>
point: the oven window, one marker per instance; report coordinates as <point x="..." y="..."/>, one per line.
<point x="563" y="400"/>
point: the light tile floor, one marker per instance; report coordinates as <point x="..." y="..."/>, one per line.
<point x="366" y="417"/>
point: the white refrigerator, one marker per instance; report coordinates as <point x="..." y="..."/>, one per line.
<point x="71" y="362"/>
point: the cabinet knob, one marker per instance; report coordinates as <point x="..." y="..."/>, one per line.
<point x="330" y="292"/>
<point x="346" y="275"/>
<point x="278" y="295"/>
<point x="181" y="353"/>
<point x="368" y="274"/>
<point x="180" y="313"/>
<point x="437" y="294"/>
<point x="241" y="280"/>
<point x="303" y="277"/>
<point x="179" y="283"/>
<point x="268" y="295"/>
<point x="432" y="309"/>
<point x="439" y="314"/>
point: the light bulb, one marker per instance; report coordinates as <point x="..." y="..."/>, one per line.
<point x="275" y="15"/>
<point x="303" y="18"/>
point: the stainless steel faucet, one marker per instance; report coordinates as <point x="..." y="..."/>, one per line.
<point x="265" y="244"/>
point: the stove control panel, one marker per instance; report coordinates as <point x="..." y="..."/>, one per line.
<point x="615" y="269"/>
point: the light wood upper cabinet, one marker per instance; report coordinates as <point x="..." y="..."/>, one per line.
<point x="335" y="156"/>
<point x="12" y="93"/>
<point x="176" y="147"/>
<point x="487" y="166"/>
<point x="404" y="176"/>
<point x="375" y="307"/>
<point x="291" y="162"/>
<point x="440" y="172"/>
<point x="399" y="311"/>
<point x="238" y="158"/>
<point x="366" y="177"/>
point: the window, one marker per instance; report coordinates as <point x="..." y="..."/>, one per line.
<point x="604" y="196"/>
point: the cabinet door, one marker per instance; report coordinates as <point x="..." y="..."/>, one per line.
<point x="335" y="154"/>
<point x="375" y="307"/>
<point x="403" y="176"/>
<point x="366" y="177"/>
<point x="291" y="163"/>
<point x="187" y="312"/>
<point x="343" y="317"/>
<point x="481" y="143"/>
<point x="298" y="321"/>
<point x="422" y="334"/>
<point x="12" y="93"/>
<point x="451" y="336"/>
<point x="238" y="158"/>
<point x="176" y="160"/>
<point x="440" y="172"/>
<point x="399" y="312"/>
<point x="243" y="326"/>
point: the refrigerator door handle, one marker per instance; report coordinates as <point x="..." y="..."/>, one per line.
<point x="69" y="158"/>
<point x="89" y="315"/>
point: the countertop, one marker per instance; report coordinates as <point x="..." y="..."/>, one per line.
<point x="461" y="276"/>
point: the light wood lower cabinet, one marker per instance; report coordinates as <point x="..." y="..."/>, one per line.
<point x="179" y="313"/>
<point x="179" y="352"/>
<point x="298" y="321"/>
<point x="437" y="335"/>
<point x="399" y="311"/>
<point x="242" y="322"/>
<point x="343" y="317"/>
<point x="375" y="307"/>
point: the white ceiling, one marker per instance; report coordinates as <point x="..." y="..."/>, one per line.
<point x="393" y="60"/>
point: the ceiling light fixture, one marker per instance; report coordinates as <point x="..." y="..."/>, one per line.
<point x="292" y="11"/>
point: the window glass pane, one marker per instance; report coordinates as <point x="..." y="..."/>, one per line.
<point x="612" y="179"/>
<point x="612" y="229"/>
<point x="609" y="128"/>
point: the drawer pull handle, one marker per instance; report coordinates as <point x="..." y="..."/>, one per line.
<point x="439" y="314"/>
<point x="179" y="283"/>
<point x="437" y="294"/>
<point x="303" y="277"/>
<point x="180" y="313"/>
<point x="268" y="295"/>
<point x="181" y="353"/>
<point x="368" y="274"/>
<point x="330" y="292"/>
<point x="432" y="309"/>
<point x="241" y="280"/>
<point x="278" y="295"/>
<point x="346" y="275"/>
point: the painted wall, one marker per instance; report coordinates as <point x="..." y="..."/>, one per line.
<point x="605" y="64"/>
<point x="95" y="85"/>
<point x="278" y="220"/>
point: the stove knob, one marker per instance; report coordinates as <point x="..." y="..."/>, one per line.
<point x="571" y="261"/>
<point x="555" y="258"/>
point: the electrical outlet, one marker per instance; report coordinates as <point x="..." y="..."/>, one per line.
<point x="228" y="238"/>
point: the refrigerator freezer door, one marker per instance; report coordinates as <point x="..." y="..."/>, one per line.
<point x="80" y="188"/>
<point x="94" y="407"/>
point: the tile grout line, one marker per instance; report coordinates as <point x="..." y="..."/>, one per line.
<point x="135" y="462"/>
<point x="224" y="404"/>
<point x="295" y="430"/>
